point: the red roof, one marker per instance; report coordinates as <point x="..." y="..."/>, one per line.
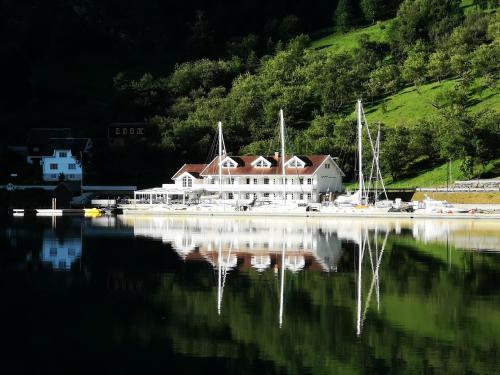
<point x="245" y="167"/>
<point x="193" y="169"/>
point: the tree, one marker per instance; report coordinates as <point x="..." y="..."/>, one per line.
<point x="289" y="27"/>
<point x="395" y="150"/>
<point x="460" y="62"/>
<point x="414" y="69"/>
<point x="343" y="15"/>
<point x="369" y="9"/>
<point x="439" y="65"/>
<point x="485" y="60"/>
<point x="425" y="20"/>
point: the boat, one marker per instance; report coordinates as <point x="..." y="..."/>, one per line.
<point x="359" y="201"/>
<point x="433" y="206"/>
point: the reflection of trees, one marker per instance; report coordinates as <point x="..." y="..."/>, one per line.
<point x="430" y="316"/>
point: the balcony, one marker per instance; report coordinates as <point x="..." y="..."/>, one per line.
<point x="278" y="188"/>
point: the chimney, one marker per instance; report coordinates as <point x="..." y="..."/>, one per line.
<point x="276" y="154"/>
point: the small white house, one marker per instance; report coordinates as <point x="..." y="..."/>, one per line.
<point x="64" y="157"/>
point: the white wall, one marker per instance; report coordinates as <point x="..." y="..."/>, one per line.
<point x="328" y="179"/>
<point x="63" y="166"/>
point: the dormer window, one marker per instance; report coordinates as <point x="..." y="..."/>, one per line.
<point x="229" y="163"/>
<point x="261" y="162"/>
<point x="295" y="162"/>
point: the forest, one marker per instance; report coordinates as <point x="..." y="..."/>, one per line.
<point x="183" y="68"/>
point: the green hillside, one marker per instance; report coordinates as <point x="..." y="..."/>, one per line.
<point x="338" y="41"/>
<point x="410" y="105"/>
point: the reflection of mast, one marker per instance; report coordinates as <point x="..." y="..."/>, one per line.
<point x="282" y="282"/>
<point x="219" y="278"/>
<point x="222" y="273"/>
<point x="365" y="243"/>
<point x="361" y="250"/>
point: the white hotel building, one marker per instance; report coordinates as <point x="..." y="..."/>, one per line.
<point x="246" y="178"/>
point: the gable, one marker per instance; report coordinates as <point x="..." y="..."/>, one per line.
<point x="229" y="162"/>
<point x="261" y="162"/>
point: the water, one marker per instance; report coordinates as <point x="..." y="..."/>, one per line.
<point x="170" y="295"/>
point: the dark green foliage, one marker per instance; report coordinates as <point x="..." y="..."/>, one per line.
<point x="369" y="9"/>
<point x="242" y="69"/>
<point x="343" y="15"/>
<point x="425" y="20"/>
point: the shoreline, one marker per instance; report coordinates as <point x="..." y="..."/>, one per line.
<point x="378" y="215"/>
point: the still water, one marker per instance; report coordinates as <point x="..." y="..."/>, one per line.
<point x="270" y="296"/>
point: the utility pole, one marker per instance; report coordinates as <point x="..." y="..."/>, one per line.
<point x="449" y="171"/>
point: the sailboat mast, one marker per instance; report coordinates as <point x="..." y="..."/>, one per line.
<point x="220" y="159"/>
<point x="282" y="133"/>
<point x="360" y="150"/>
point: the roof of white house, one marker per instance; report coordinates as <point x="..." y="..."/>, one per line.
<point x="193" y="169"/>
<point x="245" y="167"/>
<point x="76" y="145"/>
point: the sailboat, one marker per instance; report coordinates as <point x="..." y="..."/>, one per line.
<point x="215" y="203"/>
<point x="284" y="205"/>
<point x="359" y="200"/>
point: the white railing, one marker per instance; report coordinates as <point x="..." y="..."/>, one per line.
<point x="278" y="188"/>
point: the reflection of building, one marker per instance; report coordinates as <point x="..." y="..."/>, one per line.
<point x="246" y="243"/>
<point x="463" y="234"/>
<point x="60" y="253"/>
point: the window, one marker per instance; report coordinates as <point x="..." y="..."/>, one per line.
<point x="53" y="175"/>
<point x="301" y="181"/>
<point x="53" y="251"/>
<point x="295" y="163"/>
<point x="301" y="196"/>
<point x="132" y="130"/>
<point x="255" y="181"/>
<point x="261" y="162"/>
<point x="266" y="181"/>
<point x="53" y="166"/>
<point x="71" y="252"/>
<point x="309" y="181"/>
<point x="266" y="195"/>
<point x="327" y="165"/>
<point x="309" y="196"/>
<point x="71" y="166"/>
<point x="229" y="163"/>
<point x="63" y="154"/>
<point x="230" y="181"/>
<point x="117" y="131"/>
<point x="62" y="264"/>
<point x="125" y="131"/>
<point x="140" y="130"/>
<point x="212" y="181"/>
<point x="248" y="181"/>
<point x="230" y="196"/>
<point x="71" y="176"/>
<point x="187" y="181"/>
<point x="247" y="196"/>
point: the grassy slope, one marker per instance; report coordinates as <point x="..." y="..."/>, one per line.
<point x="338" y="41"/>
<point x="409" y="105"/>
